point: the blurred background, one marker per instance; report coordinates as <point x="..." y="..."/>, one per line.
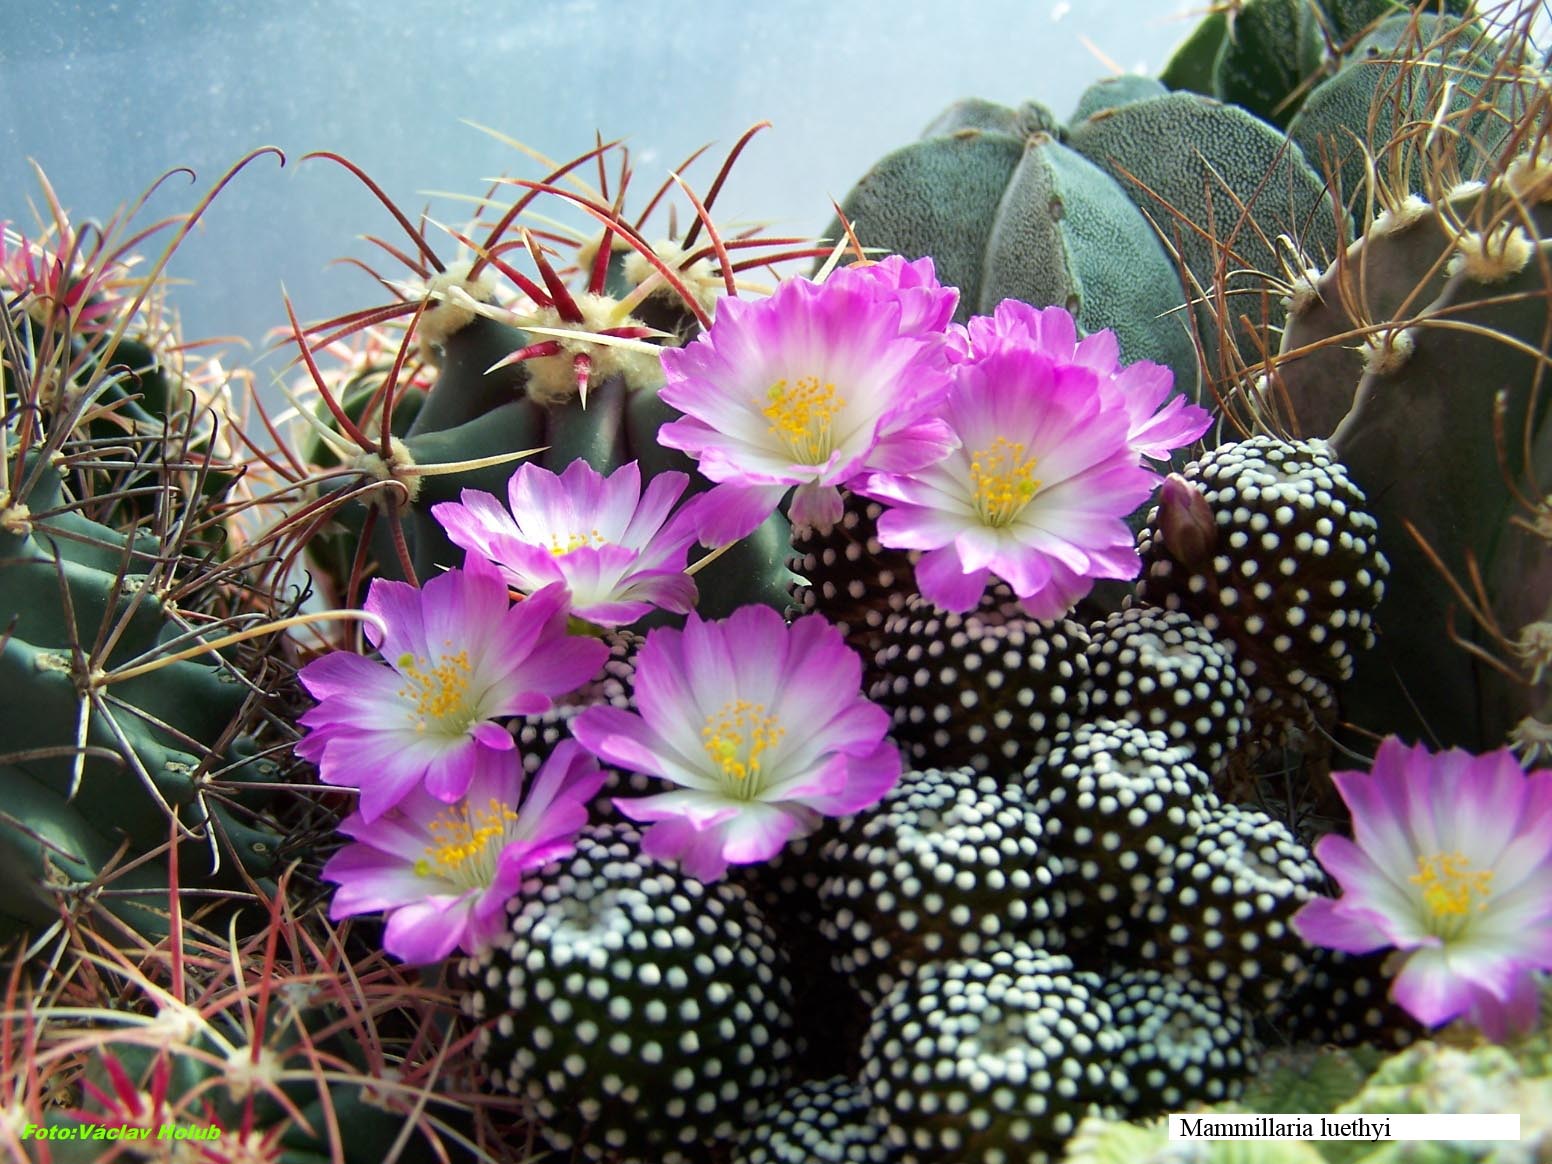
<point x="106" y="96"/>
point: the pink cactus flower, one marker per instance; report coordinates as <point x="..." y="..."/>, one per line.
<point x="810" y="388"/>
<point x="442" y="872"/>
<point x="618" y="551"/>
<point x="761" y="726"/>
<point x="458" y="657"/>
<point x="1450" y="864"/>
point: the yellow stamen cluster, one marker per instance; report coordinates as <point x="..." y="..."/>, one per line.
<point x="437" y="690"/>
<point x="801" y="417"/>
<point x="1451" y="889"/>
<point x="736" y="738"/>
<point x="575" y="541"/>
<point x="1004" y="481"/>
<point x="465" y="836"/>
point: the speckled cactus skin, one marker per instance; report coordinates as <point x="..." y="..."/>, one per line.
<point x="1091" y="216"/>
<point x="1014" y="212"/>
<point x="1194" y="196"/>
<point x="1425" y="379"/>
<point x="1455" y="76"/>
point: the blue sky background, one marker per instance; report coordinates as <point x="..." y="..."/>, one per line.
<point x="106" y="96"/>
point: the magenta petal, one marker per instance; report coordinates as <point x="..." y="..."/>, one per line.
<point x="944" y="582"/>
<point x="343" y="673"/>
<point x="757" y="833"/>
<point x="447" y="779"/>
<point x="493" y="736"/>
<point x="1510" y="1018"/>
<point x="676" y="840"/>
<point x="427" y="931"/>
<point x="730" y="513"/>
<point x="1428" y="991"/>
<point x="815" y="506"/>
<point x="369" y="881"/>
<point x="1324" y="922"/>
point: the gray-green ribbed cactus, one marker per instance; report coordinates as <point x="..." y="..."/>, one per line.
<point x="1007" y="209"/>
<point x="1095" y="217"/>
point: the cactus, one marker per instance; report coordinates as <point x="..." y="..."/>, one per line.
<point x="1419" y="350"/>
<point x="1222" y="205"/>
<point x="1411" y="75"/>
<point x="1007" y="209"/>
<point x="1096" y="218"/>
<point x="1267" y="55"/>
<point x="545" y="370"/>
<point x="294" y="1045"/>
<point x="129" y="726"/>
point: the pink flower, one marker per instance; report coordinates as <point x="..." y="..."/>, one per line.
<point x="443" y="872"/>
<point x="761" y="725"/>
<point x="1451" y="864"/>
<point x="926" y="306"/>
<point x="1037" y="492"/>
<point x="1141" y="388"/>
<point x="617" y="551"/>
<point x="809" y="388"/>
<point x="458" y="656"/>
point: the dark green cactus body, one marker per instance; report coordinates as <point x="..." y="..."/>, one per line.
<point x="1268" y="55"/>
<point x="1260" y="63"/>
<point x="1433" y="397"/>
<point x="47" y="846"/>
<point x="476" y="410"/>
<point x="66" y="585"/>
<point x="1190" y="67"/>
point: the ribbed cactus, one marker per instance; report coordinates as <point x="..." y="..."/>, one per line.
<point x="1410" y="79"/>
<point x="294" y="1044"/>
<point x="560" y="364"/>
<point x="1006" y="208"/>
<point x="1267" y="55"/>
<point x="1095" y="217"/>
<point x="1419" y="354"/>
<point x="122" y="726"/>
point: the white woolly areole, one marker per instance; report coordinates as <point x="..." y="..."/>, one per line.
<point x="446" y="316"/>
<point x="702" y="280"/>
<point x="1529" y="177"/>
<point x="1494" y="256"/>
<point x="1385" y="352"/>
<point x="1397" y="218"/>
<point x="553" y="379"/>
<point x="393" y="469"/>
<point x="1303" y="292"/>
